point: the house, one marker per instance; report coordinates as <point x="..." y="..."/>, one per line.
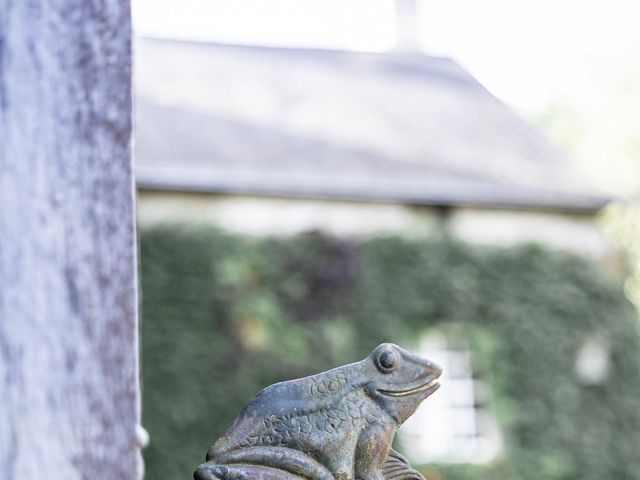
<point x="261" y="140"/>
<point x="266" y="140"/>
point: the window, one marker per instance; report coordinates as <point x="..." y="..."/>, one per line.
<point x="454" y="425"/>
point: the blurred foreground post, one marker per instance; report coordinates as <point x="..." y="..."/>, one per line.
<point x="69" y="396"/>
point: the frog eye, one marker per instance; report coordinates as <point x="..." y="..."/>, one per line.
<point x="387" y="361"/>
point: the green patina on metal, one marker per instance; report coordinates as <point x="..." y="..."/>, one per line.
<point x="334" y="425"/>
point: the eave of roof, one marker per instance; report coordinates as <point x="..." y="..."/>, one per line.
<point x="260" y="184"/>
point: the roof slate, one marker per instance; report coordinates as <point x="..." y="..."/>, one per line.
<point x="292" y="122"/>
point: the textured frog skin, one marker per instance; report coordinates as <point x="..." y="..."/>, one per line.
<point x="334" y="425"/>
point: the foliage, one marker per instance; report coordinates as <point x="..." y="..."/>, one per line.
<point x="225" y="315"/>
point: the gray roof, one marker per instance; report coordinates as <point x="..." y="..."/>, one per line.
<point x="292" y="122"/>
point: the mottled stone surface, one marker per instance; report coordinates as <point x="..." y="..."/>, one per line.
<point x="69" y="397"/>
<point x="334" y="425"/>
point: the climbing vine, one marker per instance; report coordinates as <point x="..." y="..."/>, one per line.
<point x="224" y="316"/>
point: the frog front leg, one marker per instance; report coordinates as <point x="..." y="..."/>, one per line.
<point x="371" y="451"/>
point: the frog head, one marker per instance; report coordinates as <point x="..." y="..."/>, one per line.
<point x="399" y="381"/>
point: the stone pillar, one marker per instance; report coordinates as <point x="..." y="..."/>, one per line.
<point x="69" y="395"/>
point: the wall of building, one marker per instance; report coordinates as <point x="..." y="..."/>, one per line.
<point x="285" y="216"/>
<point x="573" y="232"/>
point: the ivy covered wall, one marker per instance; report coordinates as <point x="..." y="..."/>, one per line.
<point x="224" y="316"/>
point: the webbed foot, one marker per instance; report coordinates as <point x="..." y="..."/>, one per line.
<point x="397" y="467"/>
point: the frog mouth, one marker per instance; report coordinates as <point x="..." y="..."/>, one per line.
<point x="432" y="386"/>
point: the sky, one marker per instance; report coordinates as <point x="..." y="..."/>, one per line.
<point x="526" y="52"/>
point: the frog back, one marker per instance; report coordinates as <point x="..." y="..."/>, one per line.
<point x="273" y="414"/>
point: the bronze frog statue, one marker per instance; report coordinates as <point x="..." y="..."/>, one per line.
<point x="336" y="425"/>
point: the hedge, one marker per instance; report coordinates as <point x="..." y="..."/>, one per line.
<point x="225" y="315"/>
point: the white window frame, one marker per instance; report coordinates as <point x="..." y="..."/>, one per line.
<point x="454" y="425"/>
